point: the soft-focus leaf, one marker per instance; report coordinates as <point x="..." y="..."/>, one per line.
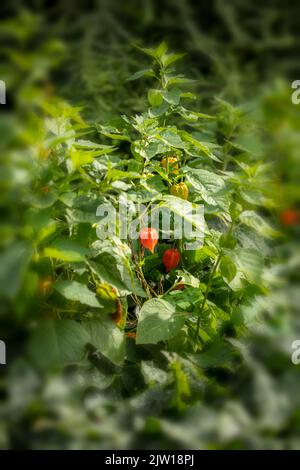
<point x="13" y="264"/>
<point x="107" y="338"/>
<point x="210" y="186"/>
<point x="66" y="250"/>
<point x="155" y="97"/>
<point x="57" y="343"/>
<point x="253" y="220"/>
<point x="227" y="268"/>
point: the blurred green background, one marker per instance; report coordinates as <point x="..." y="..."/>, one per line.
<point x="82" y="53"/>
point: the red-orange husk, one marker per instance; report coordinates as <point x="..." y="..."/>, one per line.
<point x="171" y="259"/>
<point x="149" y="238"/>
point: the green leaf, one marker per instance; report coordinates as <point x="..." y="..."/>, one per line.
<point x="186" y="300"/>
<point x="169" y="59"/>
<point x="58" y="342"/>
<point x="172" y="96"/>
<point x="253" y="196"/>
<point x="158" y="111"/>
<point x="171" y="138"/>
<point x="227" y="268"/>
<point x="114" y="267"/>
<point x="249" y="262"/>
<point x="77" y="292"/>
<point x="113" y="133"/>
<point x="179" y="80"/>
<point x="107" y="338"/>
<point x="188" y="95"/>
<point x="78" y="216"/>
<point x="216" y="313"/>
<point x="187" y="211"/>
<point x="210" y="186"/>
<point x="220" y="354"/>
<point x="161" y="49"/>
<point x="115" y="175"/>
<point x="184" y="277"/>
<point x="153" y="374"/>
<point x="253" y="220"/>
<point x="150" y="149"/>
<point x="43" y="224"/>
<point x="87" y="144"/>
<point x="66" y="250"/>
<point x="148" y="51"/>
<point x="81" y="157"/>
<point x="186" y="114"/>
<point x="158" y="321"/>
<point x="182" y="385"/>
<point x="141" y="73"/>
<point x="13" y="264"/>
<point x="194" y="116"/>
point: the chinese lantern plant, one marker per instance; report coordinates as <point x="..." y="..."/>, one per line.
<point x="150" y="289"/>
<point x="179" y="170"/>
<point x="171" y="259"/>
<point x="149" y="238"/>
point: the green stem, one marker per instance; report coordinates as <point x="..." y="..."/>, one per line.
<point x="148" y="288"/>
<point x="226" y="148"/>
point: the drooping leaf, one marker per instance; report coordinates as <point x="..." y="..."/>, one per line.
<point x="253" y="220"/>
<point x="114" y="133"/>
<point x="172" y="96"/>
<point x="195" y="142"/>
<point x="13" y="264"/>
<point x="141" y="73"/>
<point x="210" y="186"/>
<point x="88" y="144"/>
<point x="112" y="265"/>
<point x="66" y="250"/>
<point x="227" y="268"/>
<point x="249" y="262"/>
<point x="153" y="374"/>
<point x="171" y="138"/>
<point x="82" y="157"/>
<point x="219" y="354"/>
<point x="115" y="175"/>
<point x="187" y="278"/>
<point x="77" y="292"/>
<point x="169" y="59"/>
<point x="107" y="338"/>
